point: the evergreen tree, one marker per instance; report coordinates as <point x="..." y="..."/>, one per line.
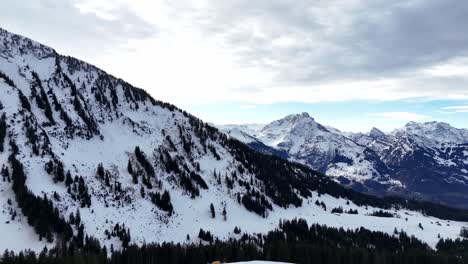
<point x="141" y="158"/>
<point x="212" y="210"/>
<point x="68" y="179"/>
<point x="464" y="232"/>
<point x="3" y="129"/>
<point x="163" y="201"/>
<point x="224" y="213"/>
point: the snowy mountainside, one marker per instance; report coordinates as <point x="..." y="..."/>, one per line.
<point x="83" y="153"/>
<point x="244" y="133"/>
<point x="421" y="160"/>
<point x="433" y="133"/>
<point x="323" y="149"/>
<point x="249" y="129"/>
<point x="429" y="158"/>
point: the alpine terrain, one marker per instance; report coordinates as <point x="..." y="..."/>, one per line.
<point x="427" y="161"/>
<point x="90" y="162"/>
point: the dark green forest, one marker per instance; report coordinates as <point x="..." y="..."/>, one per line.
<point x="293" y="241"/>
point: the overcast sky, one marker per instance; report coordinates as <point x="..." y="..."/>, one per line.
<point x="350" y="64"/>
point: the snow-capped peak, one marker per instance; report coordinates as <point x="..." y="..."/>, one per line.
<point x="376" y="133"/>
<point x="436" y="148"/>
<point x="324" y="149"/>
<point x="297" y="125"/>
<point x="433" y="133"/>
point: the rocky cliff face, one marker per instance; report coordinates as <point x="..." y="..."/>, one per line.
<point x="421" y="160"/>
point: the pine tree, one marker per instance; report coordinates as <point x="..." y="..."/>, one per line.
<point x="212" y="210"/>
<point x="3" y="127"/>
<point x="224" y="213"/>
<point x="71" y="219"/>
<point x="129" y="167"/>
<point x="77" y="217"/>
<point x="68" y="179"/>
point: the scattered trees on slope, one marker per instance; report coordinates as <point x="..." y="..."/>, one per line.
<point x="381" y="213"/>
<point x="40" y="212"/>
<point x="162" y="201"/>
<point x="41" y="98"/>
<point x="7" y="79"/>
<point x="140" y="156"/>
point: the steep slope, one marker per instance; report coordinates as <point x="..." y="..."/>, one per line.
<point x="426" y="161"/>
<point x="376" y="140"/>
<point x="244" y="133"/>
<point x="433" y="134"/>
<point x="430" y="159"/>
<point x="323" y="149"/>
<point x="83" y="153"/>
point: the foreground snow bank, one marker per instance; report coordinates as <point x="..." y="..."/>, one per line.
<point x="259" y="262"/>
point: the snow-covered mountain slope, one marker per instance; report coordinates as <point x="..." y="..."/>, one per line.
<point x="429" y="158"/>
<point x="245" y="134"/>
<point x="249" y="129"/>
<point x="323" y="149"/>
<point x="432" y="134"/>
<point x="83" y="153"/>
<point x="433" y="159"/>
<point x="421" y="160"/>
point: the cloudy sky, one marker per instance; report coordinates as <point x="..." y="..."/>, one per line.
<point x="350" y="64"/>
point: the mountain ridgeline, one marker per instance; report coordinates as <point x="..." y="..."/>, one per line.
<point x="424" y="161"/>
<point x="88" y="159"/>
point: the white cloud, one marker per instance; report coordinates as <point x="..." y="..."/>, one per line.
<point x="258" y="52"/>
<point x="247" y="106"/>
<point x="268" y="52"/>
<point x="456" y="109"/>
<point x="403" y="116"/>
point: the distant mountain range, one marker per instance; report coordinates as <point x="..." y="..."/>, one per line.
<point x="426" y="161"/>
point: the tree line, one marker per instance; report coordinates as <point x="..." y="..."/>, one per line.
<point x="293" y="241"/>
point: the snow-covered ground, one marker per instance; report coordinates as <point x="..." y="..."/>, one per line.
<point x="259" y="262"/>
<point x="123" y="124"/>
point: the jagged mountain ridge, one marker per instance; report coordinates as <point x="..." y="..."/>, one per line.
<point x="430" y="158"/>
<point x="87" y="154"/>
<point x="323" y="149"/>
<point x="423" y="160"/>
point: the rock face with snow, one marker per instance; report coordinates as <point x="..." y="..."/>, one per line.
<point x="425" y="161"/>
<point x="430" y="159"/>
<point x="83" y="153"/>
<point x="324" y="149"/>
